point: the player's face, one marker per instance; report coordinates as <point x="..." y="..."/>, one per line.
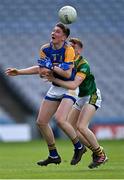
<point x="76" y="47"/>
<point x="57" y="35"/>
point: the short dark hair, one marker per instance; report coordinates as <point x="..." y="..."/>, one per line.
<point x="76" y="41"/>
<point x="64" y="28"/>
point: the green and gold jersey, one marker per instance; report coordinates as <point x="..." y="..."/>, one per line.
<point x="88" y="86"/>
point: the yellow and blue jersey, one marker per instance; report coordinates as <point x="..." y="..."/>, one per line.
<point x="64" y="54"/>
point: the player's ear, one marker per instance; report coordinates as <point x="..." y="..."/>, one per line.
<point x="64" y="38"/>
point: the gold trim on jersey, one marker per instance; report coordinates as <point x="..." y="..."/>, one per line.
<point x="81" y="75"/>
<point x="93" y="98"/>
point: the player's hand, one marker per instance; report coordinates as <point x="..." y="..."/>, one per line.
<point x="12" y="72"/>
<point x="44" y="72"/>
<point x="50" y="77"/>
<point x="46" y="62"/>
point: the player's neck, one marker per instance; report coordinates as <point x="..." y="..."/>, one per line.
<point x="58" y="46"/>
<point x="77" y="56"/>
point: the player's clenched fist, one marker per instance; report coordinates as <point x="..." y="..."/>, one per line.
<point x="12" y="72"/>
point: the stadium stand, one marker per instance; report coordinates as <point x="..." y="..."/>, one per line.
<point x="25" y="25"/>
<point x="16" y="105"/>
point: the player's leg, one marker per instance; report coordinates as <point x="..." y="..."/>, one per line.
<point x="85" y="117"/>
<point x="72" y="119"/>
<point x="47" y="110"/>
<point x="61" y="118"/>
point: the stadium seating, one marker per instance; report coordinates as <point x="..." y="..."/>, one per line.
<point x="25" y="25"/>
<point x="5" y="118"/>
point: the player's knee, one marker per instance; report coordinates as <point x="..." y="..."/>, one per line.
<point x="40" y="123"/>
<point x="78" y="132"/>
<point x="82" y="129"/>
<point x="59" y="121"/>
<point x="73" y="125"/>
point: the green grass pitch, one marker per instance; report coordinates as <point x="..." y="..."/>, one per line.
<point x="18" y="161"/>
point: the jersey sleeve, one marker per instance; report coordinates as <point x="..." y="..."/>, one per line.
<point x="69" y="54"/>
<point x="80" y="74"/>
<point x="41" y="52"/>
<point x="83" y="70"/>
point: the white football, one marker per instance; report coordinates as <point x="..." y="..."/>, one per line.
<point x="67" y="14"/>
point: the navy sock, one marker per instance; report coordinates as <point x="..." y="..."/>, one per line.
<point x="78" y="145"/>
<point x="53" y="153"/>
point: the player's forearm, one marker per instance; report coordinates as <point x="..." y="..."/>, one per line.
<point x="61" y="72"/>
<point x="29" y="71"/>
<point x="66" y="84"/>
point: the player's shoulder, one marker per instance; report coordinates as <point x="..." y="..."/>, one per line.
<point x="45" y="46"/>
<point x="68" y="47"/>
<point x="81" y="62"/>
<point x="85" y="65"/>
<point x="85" y="61"/>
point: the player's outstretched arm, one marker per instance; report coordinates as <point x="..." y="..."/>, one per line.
<point x="26" y="71"/>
